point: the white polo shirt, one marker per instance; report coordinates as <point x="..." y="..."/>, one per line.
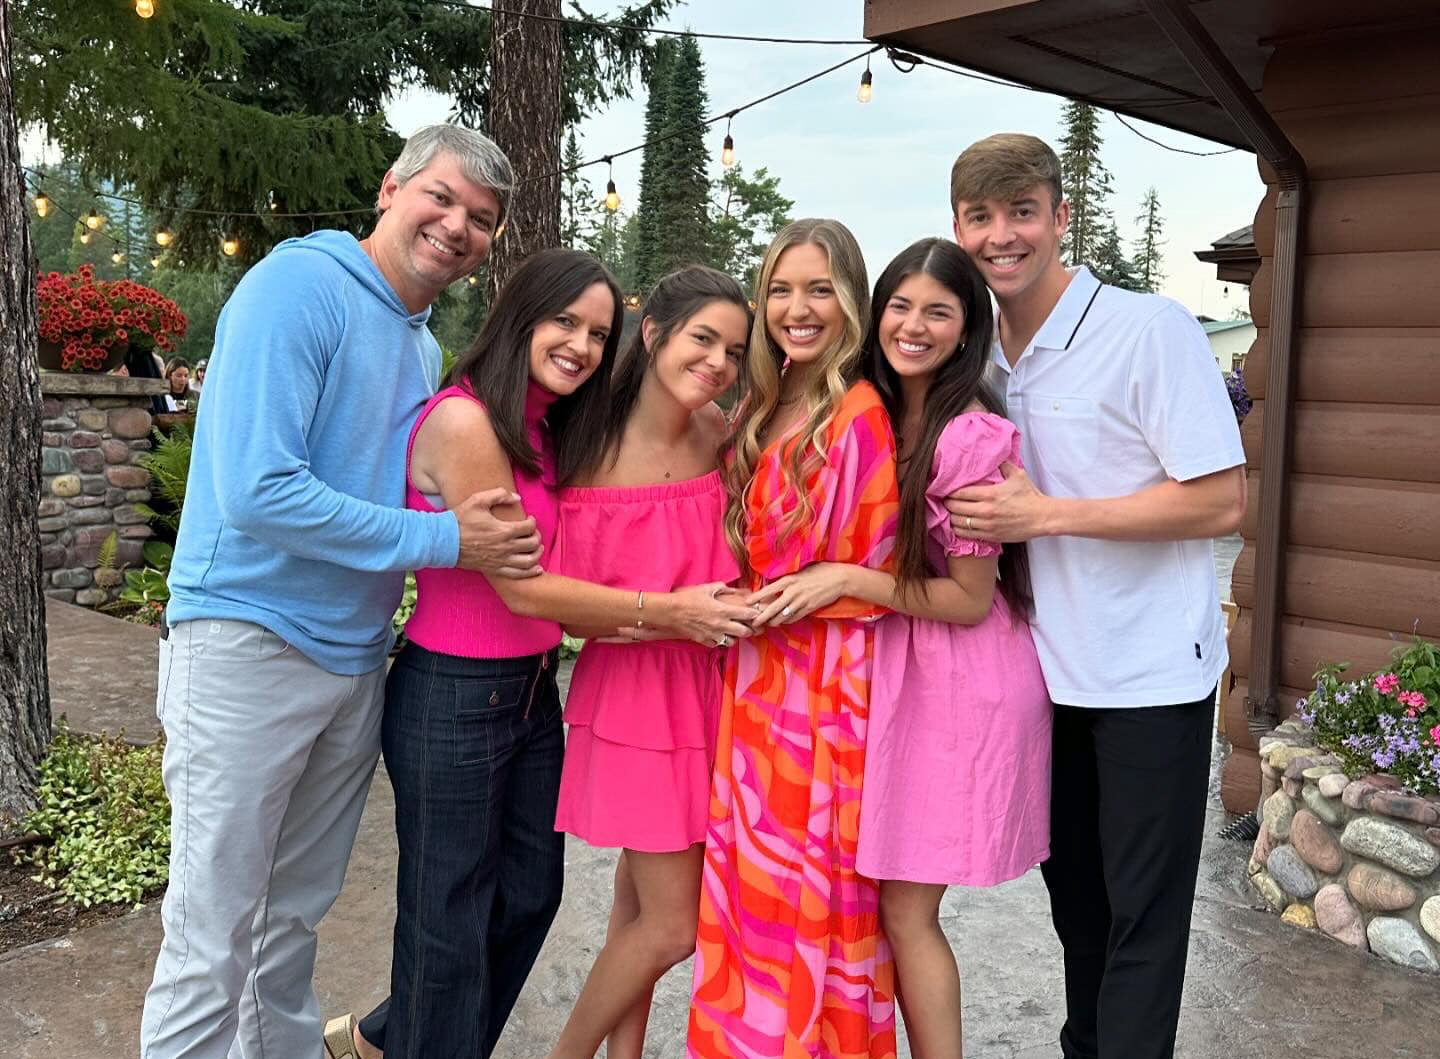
<point x="1118" y="392"/>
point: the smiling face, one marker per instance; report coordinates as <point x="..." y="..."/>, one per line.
<point x="566" y="349"/>
<point x="802" y="313"/>
<point x="699" y="360"/>
<point x="1014" y="243"/>
<point x="436" y="228"/>
<point x="921" y="326"/>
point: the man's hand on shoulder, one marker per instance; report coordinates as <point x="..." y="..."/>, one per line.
<point x="1014" y="510"/>
<point x="493" y="545"/>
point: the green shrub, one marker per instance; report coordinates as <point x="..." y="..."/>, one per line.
<point x="105" y="818"/>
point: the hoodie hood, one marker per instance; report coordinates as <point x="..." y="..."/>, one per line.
<point x="345" y="249"/>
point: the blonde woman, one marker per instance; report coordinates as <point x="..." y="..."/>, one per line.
<point x="790" y="959"/>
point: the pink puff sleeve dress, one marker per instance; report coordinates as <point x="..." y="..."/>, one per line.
<point x="642" y="717"/>
<point x="957" y="760"/>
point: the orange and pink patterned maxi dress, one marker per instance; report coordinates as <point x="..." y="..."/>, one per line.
<point x="790" y="961"/>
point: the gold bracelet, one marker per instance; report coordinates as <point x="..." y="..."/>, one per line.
<point x="639" y="606"/>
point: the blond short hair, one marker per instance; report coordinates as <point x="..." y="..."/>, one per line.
<point x="1004" y="166"/>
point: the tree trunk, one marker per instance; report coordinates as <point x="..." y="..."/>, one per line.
<point x="24" y="685"/>
<point x="525" y="120"/>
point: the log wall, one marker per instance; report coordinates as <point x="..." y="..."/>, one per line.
<point x="1362" y="565"/>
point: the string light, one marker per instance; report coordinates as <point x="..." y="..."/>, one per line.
<point x="155" y="261"/>
<point x="144" y="8"/>
<point x="164" y="236"/>
<point x="93" y="221"/>
<point x="229" y="246"/>
<point x="612" y="197"/>
<point x="727" y="153"/>
<point x="42" y="204"/>
<point x="85" y="237"/>
<point x="117" y="257"/>
<point x="865" y="84"/>
<point x="472" y="280"/>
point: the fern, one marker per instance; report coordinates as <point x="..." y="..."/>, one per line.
<point x="169" y="466"/>
<point x="105" y="554"/>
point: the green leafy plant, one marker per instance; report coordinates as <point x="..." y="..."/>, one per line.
<point x="407" y="605"/>
<point x="148" y="586"/>
<point x="104" y="815"/>
<point x="169" y="465"/>
<point x="1388" y="720"/>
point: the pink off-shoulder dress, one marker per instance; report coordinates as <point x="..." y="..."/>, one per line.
<point x="642" y="716"/>
<point x="957" y="760"/>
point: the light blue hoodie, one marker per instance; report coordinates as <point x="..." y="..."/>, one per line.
<point x="294" y="510"/>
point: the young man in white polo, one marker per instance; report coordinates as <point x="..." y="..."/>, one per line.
<point x="1133" y="464"/>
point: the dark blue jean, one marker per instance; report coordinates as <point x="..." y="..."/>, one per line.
<point x="473" y="748"/>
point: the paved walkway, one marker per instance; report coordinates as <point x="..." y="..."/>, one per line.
<point x="1257" y="988"/>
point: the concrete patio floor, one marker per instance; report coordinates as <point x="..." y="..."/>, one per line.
<point x="1257" y="988"/>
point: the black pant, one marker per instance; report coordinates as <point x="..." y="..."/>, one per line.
<point x="473" y="748"/>
<point x="1127" y="814"/>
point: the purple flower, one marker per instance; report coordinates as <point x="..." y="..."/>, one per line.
<point x="1384" y="758"/>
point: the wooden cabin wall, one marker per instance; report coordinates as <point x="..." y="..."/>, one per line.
<point x="1362" y="562"/>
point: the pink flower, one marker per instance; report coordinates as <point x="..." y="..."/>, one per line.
<point x="1386" y="683"/>
<point x="1413" y="699"/>
<point x="1435" y="735"/>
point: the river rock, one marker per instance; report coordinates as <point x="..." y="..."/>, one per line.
<point x="1405" y="807"/>
<point x="1299" y="915"/>
<point x="1297" y="767"/>
<point x="1315" y="844"/>
<point x="1336" y="916"/>
<point x="1333" y="785"/>
<point x="1293" y="786"/>
<point x="1263" y="845"/>
<point x="1399" y="942"/>
<point x="1323" y="807"/>
<point x="1384" y="781"/>
<point x="1376" y="888"/>
<point x="1390" y="844"/>
<point x="1269" y="891"/>
<point x="1292" y="873"/>
<point x="1430" y="917"/>
<point x="1358" y="793"/>
<point x="1279" y="810"/>
<point x="1316" y="772"/>
<point x="1279" y="757"/>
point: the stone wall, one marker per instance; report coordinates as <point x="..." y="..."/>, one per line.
<point x="95" y="427"/>
<point x="1356" y="858"/>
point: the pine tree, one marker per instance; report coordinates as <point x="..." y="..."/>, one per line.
<point x="1148" y="272"/>
<point x="682" y="220"/>
<point x="1085" y="181"/>
<point x="1109" y="262"/>
<point x="577" y="199"/>
<point x="219" y="104"/>
<point x="653" y="164"/>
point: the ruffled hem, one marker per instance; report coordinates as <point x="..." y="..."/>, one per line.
<point x="655" y="696"/>
<point x="625" y="797"/>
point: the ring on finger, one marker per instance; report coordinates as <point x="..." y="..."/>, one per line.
<point x="969" y="523"/>
<point x="723" y="641"/>
<point x="785" y="611"/>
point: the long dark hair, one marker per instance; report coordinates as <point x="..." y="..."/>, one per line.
<point x="497" y="364"/>
<point x="959" y="381"/>
<point x="674" y="300"/>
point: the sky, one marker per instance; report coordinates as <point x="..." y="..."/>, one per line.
<point x="883" y="168"/>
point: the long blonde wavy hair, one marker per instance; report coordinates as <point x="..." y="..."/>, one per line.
<point x="839" y="366"/>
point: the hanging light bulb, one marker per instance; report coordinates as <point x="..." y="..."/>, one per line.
<point x="474" y="281"/>
<point x="85" y="237"/>
<point x="155" y="261"/>
<point x="865" y="84"/>
<point x="727" y="153"/>
<point x="117" y="257"/>
<point x="144" y="8"/>
<point x="42" y="204"/>
<point x="612" y="197"/>
<point x="164" y="236"/>
<point x="229" y="245"/>
<point x="93" y="220"/>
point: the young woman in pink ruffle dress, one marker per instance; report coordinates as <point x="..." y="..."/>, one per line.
<point x="957" y="756"/>
<point x="642" y="715"/>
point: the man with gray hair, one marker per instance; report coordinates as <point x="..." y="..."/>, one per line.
<point x="289" y="565"/>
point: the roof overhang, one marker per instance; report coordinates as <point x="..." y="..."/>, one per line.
<point x="1112" y="52"/>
